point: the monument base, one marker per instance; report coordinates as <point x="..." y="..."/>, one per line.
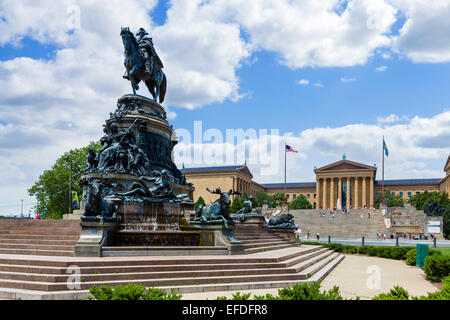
<point x="217" y="235"/>
<point x="255" y="220"/>
<point x="288" y="234"/>
<point x="94" y="235"/>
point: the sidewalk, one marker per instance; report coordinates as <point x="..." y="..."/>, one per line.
<point x="352" y="275"/>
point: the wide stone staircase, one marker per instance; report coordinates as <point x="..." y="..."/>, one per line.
<point x="259" y="239"/>
<point x="53" y="277"/>
<point x="342" y="226"/>
<point x="37" y="262"/>
<point x="39" y="237"/>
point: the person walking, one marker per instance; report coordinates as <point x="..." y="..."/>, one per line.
<point x="318" y="236"/>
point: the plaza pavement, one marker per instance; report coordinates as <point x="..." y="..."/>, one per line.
<point x="352" y="276"/>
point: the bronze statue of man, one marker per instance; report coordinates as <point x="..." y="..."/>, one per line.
<point x="146" y="45"/>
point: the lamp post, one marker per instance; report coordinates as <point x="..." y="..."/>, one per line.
<point x="70" y="160"/>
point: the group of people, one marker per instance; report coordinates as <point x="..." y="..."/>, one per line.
<point x="410" y="236"/>
<point x="381" y="236"/>
<point x="333" y="212"/>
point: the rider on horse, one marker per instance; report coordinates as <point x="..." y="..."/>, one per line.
<point x="146" y="45"/>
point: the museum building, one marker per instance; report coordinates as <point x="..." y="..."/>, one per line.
<point x="349" y="183"/>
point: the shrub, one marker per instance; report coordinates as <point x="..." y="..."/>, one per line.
<point x="131" y="292"/>
<point x="309" y="291"/>
<point x="200" y="201"/>
<point x="437" y="267"/>
<point x="398" y="293"/>
<point x="236" y="296"/>
<point x="398" y="253"/>
<point x="443" y="294"/>
<point x="411" y="257"/>
<point x="299" y="291"/>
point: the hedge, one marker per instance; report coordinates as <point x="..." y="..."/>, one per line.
<point x="437" y="267"/>
<point x="131" y="292"/>
<point x="398" y="253"/>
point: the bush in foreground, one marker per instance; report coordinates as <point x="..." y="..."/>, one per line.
<point x="397" y="253"/>
<point x="299" y="291"/>
<point x="437" y="267"/>
<point x="131" y="292"/>
<point x="399" y="293"/>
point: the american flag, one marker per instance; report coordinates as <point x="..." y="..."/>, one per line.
<point x="289" y="149"/>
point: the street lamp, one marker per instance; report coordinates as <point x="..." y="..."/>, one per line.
<point x="69" y="158"/>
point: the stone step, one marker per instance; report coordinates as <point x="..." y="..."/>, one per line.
<point x="309" y="271"/>
<point x="267" y="248"/>
<point x="311" y="261"/>
<point x="37" y="252"/>
<point x="36" y="246"/>
<point x="58" y="283"/>
<point x="34" y="232"/>
<point x="259" y="237"/>
<point x="27" y="223"/>
<point x="38" y="241"/>
<point x="54" y="286"/>
<point x="266" y="243"/>
<point x="260" y="240"/>
<point x="6" y="293"/>
<point x="306" y="254"/>
<point x="38" y="237"/>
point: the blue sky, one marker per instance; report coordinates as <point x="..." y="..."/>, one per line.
<point x="331" y="78"/>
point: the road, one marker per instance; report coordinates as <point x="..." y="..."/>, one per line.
<point x="375" y="242"/>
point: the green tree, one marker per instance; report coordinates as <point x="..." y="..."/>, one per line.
<point x="422" y="200"/>
<point x="277" y="199"/>
<point x="52" y="188"/>
<point x="200" y="201"/>
<point x="301" y="202"/>
<point x="238" y="202"/>
<point x="260" y="198"/>
<point x="389" y="200"/>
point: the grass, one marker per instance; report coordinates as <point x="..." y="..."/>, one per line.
<point x="444" y="250"/>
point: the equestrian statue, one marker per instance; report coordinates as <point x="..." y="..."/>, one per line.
<point x="142" y="63"/>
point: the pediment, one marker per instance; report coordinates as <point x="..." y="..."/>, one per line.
<point x="345" y="165"/>
<point x="245" y="170"/>
<point x="447" y="165"/>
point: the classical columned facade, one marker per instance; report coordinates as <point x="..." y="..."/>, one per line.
<point x="345" y="184"/>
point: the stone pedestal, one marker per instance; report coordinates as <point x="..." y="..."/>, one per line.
<point x="94" y="235"/>
<point x="253" y="220"/>
<point x="217" y="235"/>
<point x="288" y="234"/>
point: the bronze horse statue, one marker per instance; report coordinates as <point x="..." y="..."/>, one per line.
<point x="156" y="81"/>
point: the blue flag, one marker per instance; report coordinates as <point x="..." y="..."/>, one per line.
<point x="386" y="151"/>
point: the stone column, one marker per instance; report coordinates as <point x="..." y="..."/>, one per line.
<point x="371" y="192"/>
<point x="324" y="193"/>
<point x="340" y="190"/>
<point x="234" y="187"/>
<point x="332" y="201"/>
<point x="348" y="194"/>
<point x="317" y="193"/>
<point x="364" y="192"/>
<point x="356" y="200"/>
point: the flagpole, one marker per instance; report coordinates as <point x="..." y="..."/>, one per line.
<point x="382" y="183"/>
<point x="285" y="196"/>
